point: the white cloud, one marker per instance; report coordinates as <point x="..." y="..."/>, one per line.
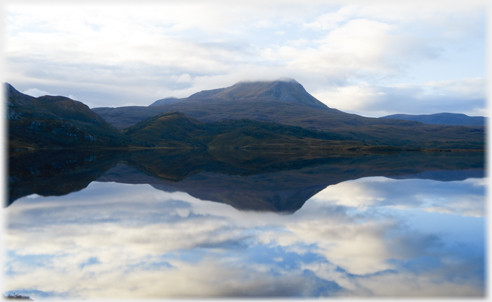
<point x="184" y="78"/>
<point x="378" y="191"/>
<point x="332" y="20"/>
<point x="473" y="88"/>
<point x="36" y="92"/>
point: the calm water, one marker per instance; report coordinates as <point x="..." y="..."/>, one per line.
<point x="344" y="227"/>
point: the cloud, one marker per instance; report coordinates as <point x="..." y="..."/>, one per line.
<point x="332" y="20"/>
<point x="184" y="78"/>
<point x="110" y="55"/>
<point x="36" y="92"/>
<point x="473" y="88"/>
<point x="392" y="284"/>
<point x="462" y="197"/>
<point x="459" y="96"/>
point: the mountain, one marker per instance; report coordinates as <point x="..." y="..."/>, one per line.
<point x="52" y="122"/>
<point x="242" y="100"/>
<point x="56" y="122"/>
<point x="456" y="119"/>
<point x="285" y="102"/>
<point x="288" y="103"/>
<point x="248" y="115"/>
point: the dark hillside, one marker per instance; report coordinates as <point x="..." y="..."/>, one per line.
<point x="175" y="129"/>
<point x="56" y="122"/>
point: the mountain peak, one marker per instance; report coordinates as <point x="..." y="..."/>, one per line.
<point x="284" y="90"/>
<point x="10" y="90"/>
<point x="164" y="101"/>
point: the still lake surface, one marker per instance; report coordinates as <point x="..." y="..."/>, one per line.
<point x="160" y="225"/>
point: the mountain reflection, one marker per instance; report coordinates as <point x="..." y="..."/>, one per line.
<point x="259" y="181"/>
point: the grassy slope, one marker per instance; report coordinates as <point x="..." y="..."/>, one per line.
<point x="177" y="129"/>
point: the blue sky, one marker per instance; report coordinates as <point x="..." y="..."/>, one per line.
<point x="372" y="58"/>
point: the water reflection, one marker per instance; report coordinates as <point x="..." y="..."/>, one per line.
<point x="279" y="182"/>
<point x="373" y="236"/>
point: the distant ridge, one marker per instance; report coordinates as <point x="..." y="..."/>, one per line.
<point x="454" y="119"/>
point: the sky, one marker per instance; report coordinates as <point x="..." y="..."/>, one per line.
<point x="372" y="58"/>
<point x="359" y="238"/>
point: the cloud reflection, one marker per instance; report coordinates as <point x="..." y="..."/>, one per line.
<point x="357" y="238"/>
<point x="461" y="198"/>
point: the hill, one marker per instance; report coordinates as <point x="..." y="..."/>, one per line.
<point x="56" y="122"/>
<point x="455" y="119"/>
<point x="174" y="129"/>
